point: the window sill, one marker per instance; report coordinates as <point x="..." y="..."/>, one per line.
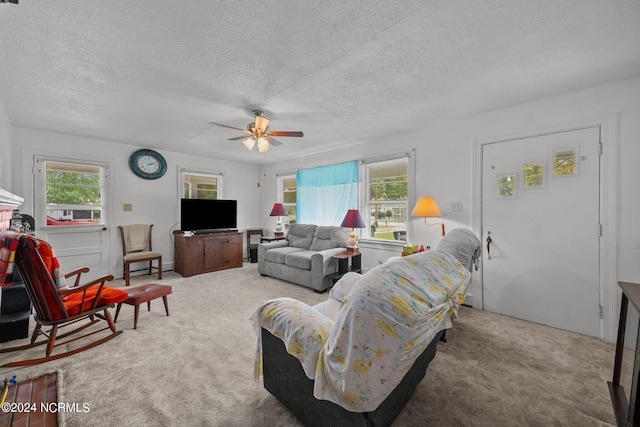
<point x="72" y="228"/>
<point x="381" y="244"/>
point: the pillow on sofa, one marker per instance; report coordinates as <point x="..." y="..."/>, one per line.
<point x="301" y="235"/>
<point x="328" y="237"/>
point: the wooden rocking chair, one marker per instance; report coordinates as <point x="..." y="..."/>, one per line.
<point x="59" y="307"/>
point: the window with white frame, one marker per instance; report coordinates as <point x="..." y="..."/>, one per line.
<point x="73" y="192"/>
<point x="287" y="195"/>
<point x="198" y="185"/>
<point x="387" y="184"/>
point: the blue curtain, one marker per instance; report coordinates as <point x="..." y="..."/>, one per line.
<point x="325" y="194"/>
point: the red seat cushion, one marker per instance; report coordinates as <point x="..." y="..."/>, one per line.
<point x="108" y="296"/>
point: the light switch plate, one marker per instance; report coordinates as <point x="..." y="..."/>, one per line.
<point x="127" y="207"/>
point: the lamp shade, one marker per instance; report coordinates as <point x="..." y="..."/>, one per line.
<point x="263" y="145"/>
<point x="249" y="142"/>
<point x="278" y="210"/>
<point x="426" y="207"/>
<point x="353" y="219"/>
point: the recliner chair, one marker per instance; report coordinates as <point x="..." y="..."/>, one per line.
<point x="356" y="358"/>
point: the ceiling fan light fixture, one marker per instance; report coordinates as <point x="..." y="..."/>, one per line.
<point x="263" y="145"/>
<point x="249" y="143"/>
<point x="258" y="133"/>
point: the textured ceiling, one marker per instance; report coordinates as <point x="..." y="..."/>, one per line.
<point x="155" y="72"/>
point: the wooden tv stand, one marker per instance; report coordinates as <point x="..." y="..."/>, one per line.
<point x="203" y="253"/>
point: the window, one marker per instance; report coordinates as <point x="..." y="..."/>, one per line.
<point x="326" y="193"/>
<point x="74" y="193"/>
<point x="288" y="194"/>
<point x="386" y="195"/>
<point x="201" y="185"/>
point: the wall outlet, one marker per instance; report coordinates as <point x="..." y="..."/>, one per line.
<point x="127" y="207"/>
<point x="456" y="207"/>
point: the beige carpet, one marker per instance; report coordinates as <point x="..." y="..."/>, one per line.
<point x="194" y="368"/>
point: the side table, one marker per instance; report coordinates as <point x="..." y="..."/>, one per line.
<point x="344" y="267"/>
<point x="253" y="235"/>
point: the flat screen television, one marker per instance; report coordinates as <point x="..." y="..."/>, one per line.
<point x="208" y="216"/>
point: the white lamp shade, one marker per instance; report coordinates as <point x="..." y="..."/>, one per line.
<point x="249" y="143"/>
<point x="263" y="145"/>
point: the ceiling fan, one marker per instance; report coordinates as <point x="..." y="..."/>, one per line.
<point x="258" y="133"/>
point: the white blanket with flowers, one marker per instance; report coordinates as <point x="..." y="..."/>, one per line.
<point x="388" y="317"/>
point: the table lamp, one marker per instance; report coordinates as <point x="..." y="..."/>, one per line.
<point x="278" y="211"/>
<point x="427" y="207"/>
<point x="352" y="220"/>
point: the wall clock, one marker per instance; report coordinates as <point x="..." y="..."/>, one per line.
<point x="147" y="164"/>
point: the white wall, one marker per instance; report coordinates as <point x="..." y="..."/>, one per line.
<point x="153" y="201"/>
<point x="445" y="166"/>
<point x="444" y="163"/>
<point x="6" y="148"/>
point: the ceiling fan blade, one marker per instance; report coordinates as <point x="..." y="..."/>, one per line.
<point x="272" y="141"/>
<point x="229" y="127"/>
<point x="261" y="123"/>
<point x="285" y="133"/>
<point x="238" y="138"/>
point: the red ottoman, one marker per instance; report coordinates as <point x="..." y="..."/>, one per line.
<point x="145" y="293"/>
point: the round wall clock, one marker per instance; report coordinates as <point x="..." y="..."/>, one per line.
<point x="147" y="164"/>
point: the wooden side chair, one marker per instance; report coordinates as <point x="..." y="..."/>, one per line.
<point x="57" y="305"/>
<point x="136" y="247"/>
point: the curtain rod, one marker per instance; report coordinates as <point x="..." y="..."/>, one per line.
<point x="380" y="158"/>
<point x="389" y="156"/>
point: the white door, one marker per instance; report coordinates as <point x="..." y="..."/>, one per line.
<point x="543" y="262"/>
<point x="71" y="212"/>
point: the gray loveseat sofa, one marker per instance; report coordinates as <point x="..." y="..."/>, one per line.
<point x="305" y="257"/>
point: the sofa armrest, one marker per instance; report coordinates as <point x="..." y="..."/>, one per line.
<point x="323" y="262"/>
<point x="324" y="256"/>
<point x="302" y="329"/>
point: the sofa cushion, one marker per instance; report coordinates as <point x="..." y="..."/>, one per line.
<point x="301" y="259"/>
<point x="327" y="237"/>
<point x="73" y="302"/>
<point x="278" y="255"/>
<point x="301" y="235"/>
